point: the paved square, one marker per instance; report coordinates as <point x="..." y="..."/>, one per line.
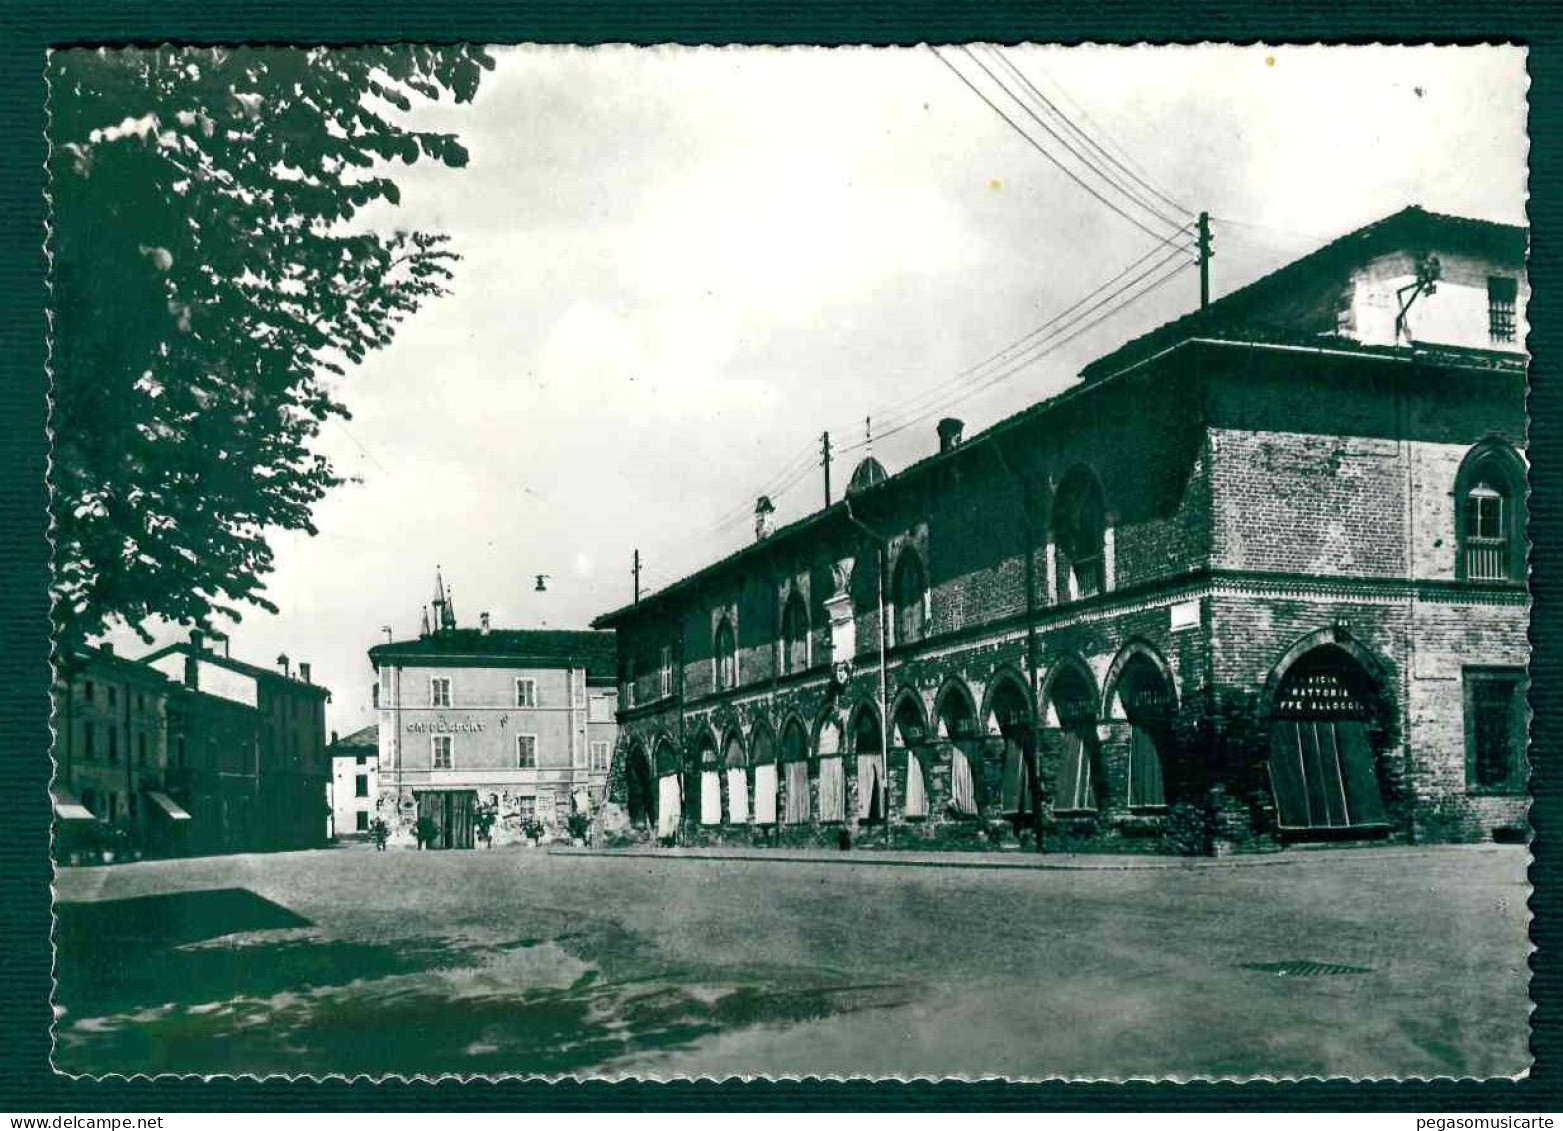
<point x="1355" y="963"/>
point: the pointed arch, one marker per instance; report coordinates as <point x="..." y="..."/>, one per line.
<point x="724" y="653"/>
<point x="829" y="744"/>
<point x="735" y="778"/>
<point x="908" y="720"/>
<point x="794" y="772"/>
<point x="763" y="756"/>
<point x="794" y="632"/>
<point x="955" y="709"/>
<point x="1338" y="636"/>
<point x="640" y="792"/>
<point x="1490" y="513"/>
<point x="1007" y="687"/>
<point x="1143" y="650"/>
<point x="1070" y="696"/>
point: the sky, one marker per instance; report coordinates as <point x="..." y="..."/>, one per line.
<point x="681" y="266"/>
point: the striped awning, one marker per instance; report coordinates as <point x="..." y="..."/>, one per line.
<point x="168" y="805"/>
<point x="67" y="808"/>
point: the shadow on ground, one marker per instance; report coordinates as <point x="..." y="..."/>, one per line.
<point x="225" y="981"/>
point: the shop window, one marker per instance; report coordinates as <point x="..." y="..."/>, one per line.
<point x="526" y="751"/>
<point x="439" y="692"/>
<point x="909" y="589"/>
<point x="1502" y="296"/>
<point x="726" y="658"/>
<point x="442" y="751"/>
<point x="1495" y="730"/>
<point x="526" y="693"/>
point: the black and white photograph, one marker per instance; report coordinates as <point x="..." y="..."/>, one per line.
<point x="965" y="561"/>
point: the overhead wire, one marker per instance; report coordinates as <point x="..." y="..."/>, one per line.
<point x="1016" y="126"/>
<point x="1084" y="136"/>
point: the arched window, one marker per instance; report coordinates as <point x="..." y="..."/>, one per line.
<point x="1080" y="530"/>
<point x="1079" y="780"/>
<point x="737" y="766"/>
<point x="909" y="592"/>
<point x="1147" y="704"/>
<point x="795" y="634"/>
<point x="710" y="784"/>
<point x="795" y="765"/>
<point x="726" y="656"/>
<point x="1490" y="491"/>
<point x="871" y="781"/>
<point x="958" y="726"/>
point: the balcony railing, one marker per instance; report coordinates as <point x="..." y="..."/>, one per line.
<point x="1486" y="559"/>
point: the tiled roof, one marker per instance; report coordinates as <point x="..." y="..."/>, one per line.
<point x="253" y="670"/>
<point x="365" y="738"/>
<point x="596" y="651"/>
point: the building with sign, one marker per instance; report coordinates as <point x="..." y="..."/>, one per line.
<point x="508" y="731"/>
<point x="1258" y="577"/>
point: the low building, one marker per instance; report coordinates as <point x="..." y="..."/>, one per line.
<point x="354" y="791"/>
<point x="111" y="756"/>
<point x="512" y="726"/>
<point x="247" y="749"/>
<point x="1258" y="578"/>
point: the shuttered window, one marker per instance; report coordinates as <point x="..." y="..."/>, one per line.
<point x="797" y="793"/>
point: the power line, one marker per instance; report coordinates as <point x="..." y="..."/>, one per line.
<point x="1086" y="137"/>
<point x="1070" y="173"/>
<point x="940" y="391"/>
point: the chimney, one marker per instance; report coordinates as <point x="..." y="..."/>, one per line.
<point x="483" y="623"/>
<point x="303" y="672"/>
<point x="950" y="434"/>
<point x="282" y="662"/>
<point x="763" y="509"/>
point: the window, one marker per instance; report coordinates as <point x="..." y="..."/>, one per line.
<point x="361" y="760"/>
<point x="526" y="809"/>
<point x="1502" y="294"/>
<point x="526" y="693"/>
<point x="361" y="821"/>
<point x="1080" y="527"/>
<point x="1495" y="730"/>
<point x="361" y="785"/>
<point x="442" y="751"/>
<point x="374" y="695"/>
<point x="141" y="749"/>
<point x="113" y="696"/>
<point x="113" y="744"/>
<point x="526" y="751"/>
<point x="666" y="672"/>
<point x="1489" y="523"/>
<point x="87" y="691"/>
<point x="629" y="681"/>
<point x="89" y="740"/>
<point x="141" y="703"/>
<point x="910" y="592"/>
<point x="179" y="751"/>
<point x="726" y="656"/>
<point x="795" y="634"/>
<point x="599" y="757"/>
<point x="439" y="692"/>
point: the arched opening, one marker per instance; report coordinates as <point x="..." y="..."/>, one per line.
<point x="1490" y="519"/>
<point x="1080" y="533"/>
<point x="710" y="782"/>
<point x="736" y="763"/>
<point x="958" y="726"/>
<point x="868" y="745"/>
<point x="1015" y="727"/>
<point x="726" y="653"/>
<point x="909" y="594"/>
<point x="640" y="792"/>
<point x="1073" y="703"/>
<point x="670" y="790"/>
<point x="832" y="773"/>
<point x="795" y="634"/>
<point x="1321" y="757"/>
<point x="763" y="748"/>
<point x="795" y="769"/>
<point x="863" y="589"/>
<point x="910" y="732"/>
<point x="1147" y="703"/>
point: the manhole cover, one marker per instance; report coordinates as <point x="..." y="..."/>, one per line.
<point x="1301" y="968"/>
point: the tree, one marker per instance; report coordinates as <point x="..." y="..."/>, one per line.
<point x="207" y="289"/>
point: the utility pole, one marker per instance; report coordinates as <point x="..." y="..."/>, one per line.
<point x="635" y="569"/>
<point x="1204" y="260"/>
<point x="824" y="440"/>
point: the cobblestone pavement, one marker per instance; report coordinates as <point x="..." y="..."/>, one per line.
<point x="1360" y="963"/>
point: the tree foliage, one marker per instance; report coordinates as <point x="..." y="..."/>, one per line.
<point x="208" y="286"/>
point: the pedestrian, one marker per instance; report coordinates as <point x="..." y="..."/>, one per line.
<point x="379" y="832"/>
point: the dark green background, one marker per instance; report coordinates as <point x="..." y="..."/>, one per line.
<point x="28" y="28"/>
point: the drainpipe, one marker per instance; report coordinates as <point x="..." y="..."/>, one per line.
<point x="884" y="676"/>
<point x="1033" y="775"/>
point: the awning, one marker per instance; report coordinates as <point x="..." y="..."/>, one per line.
<point x="67" y="808"/>
<point x="168" y="805"/>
